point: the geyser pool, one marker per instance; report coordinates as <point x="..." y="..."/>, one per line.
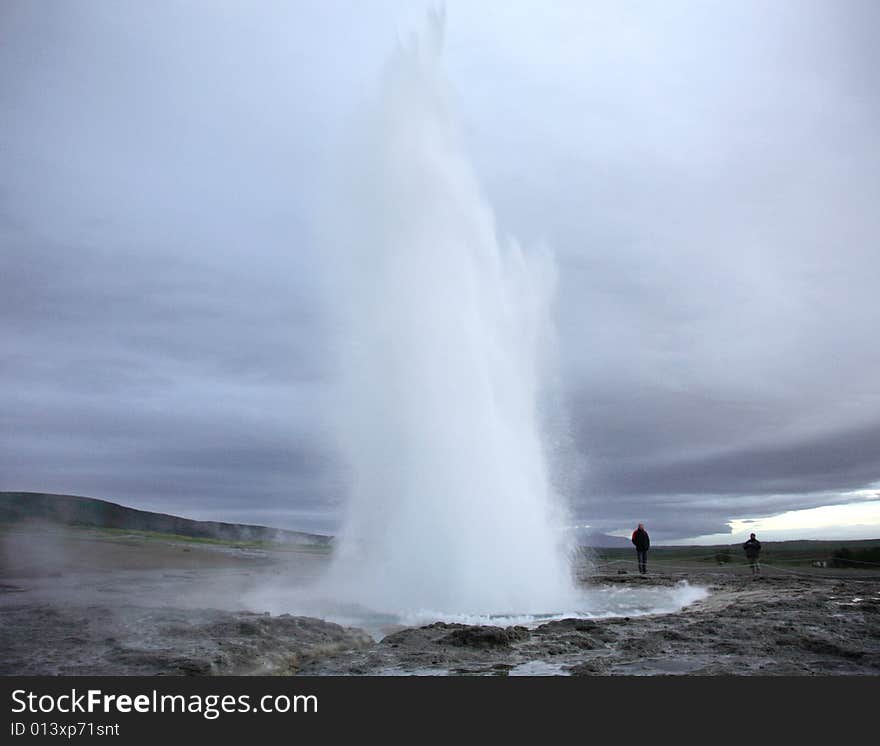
<point x="593" y="602"/>
<point x="445" y="342"/>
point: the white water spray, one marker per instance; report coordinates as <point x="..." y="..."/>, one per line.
<point x="445" y="338"/>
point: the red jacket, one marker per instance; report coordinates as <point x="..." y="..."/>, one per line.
<point x="641" y="539"/>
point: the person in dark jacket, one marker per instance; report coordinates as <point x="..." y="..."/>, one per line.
<point x="642" y="541"/>
<point x="752" y="548"/>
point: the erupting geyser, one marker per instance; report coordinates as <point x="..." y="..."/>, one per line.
<point x="445" y="337"/>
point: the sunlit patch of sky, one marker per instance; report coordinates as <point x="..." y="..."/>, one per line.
<point x="857" y="520"/>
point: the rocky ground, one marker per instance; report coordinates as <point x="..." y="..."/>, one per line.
<point x="785" y="625"/>
<point x="137" y="606"/>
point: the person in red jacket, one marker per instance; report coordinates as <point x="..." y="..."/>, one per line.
<point x="642" y="541"/>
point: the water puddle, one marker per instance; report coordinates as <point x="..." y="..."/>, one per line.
<point x="538" y="668"/>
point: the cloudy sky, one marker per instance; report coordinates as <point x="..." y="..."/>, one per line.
<point x="707" y="175"/>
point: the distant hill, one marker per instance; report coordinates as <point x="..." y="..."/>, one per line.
<point x="73" y="510"/>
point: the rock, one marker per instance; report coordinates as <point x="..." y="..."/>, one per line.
<point x="567" y="625"/>
<point x="486" y="637"/>
<point x="594" y="667"/>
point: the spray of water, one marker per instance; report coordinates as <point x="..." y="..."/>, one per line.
<point x="445" y="338"/>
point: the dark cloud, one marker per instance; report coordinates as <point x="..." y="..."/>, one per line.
<point x="837" y="460"/>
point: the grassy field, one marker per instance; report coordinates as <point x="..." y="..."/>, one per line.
<point x="275" y="546"/>
<point x="793" y="554"/>
<point x="86" y="533"/>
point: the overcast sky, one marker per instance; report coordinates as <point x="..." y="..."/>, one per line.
<point x="707" y="175"/>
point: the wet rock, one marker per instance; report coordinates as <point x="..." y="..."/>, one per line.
<point x="641" y="646"/>
<point x="593" y="667"/>
<point x="824" y="647"/>
<point x="486" y="637"/>
<point x="248" y="629"/>
<point x="725" y="647"/>
<point x="409" y="637"/>
<point x="671" y="634"/>
<point x="165" y="661"/>
<point x="566" y="625"/>
<point x="177" y="642"/>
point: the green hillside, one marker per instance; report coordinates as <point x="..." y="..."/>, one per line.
<point x="88" y="512"/>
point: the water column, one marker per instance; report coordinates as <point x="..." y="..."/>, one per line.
<point x="444" y="345"/>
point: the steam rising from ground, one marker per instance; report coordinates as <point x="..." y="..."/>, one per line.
<point x="445" y="339"/>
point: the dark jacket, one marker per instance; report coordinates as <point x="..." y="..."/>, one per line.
<point x="752" y="548"/>
<point x="641" y="540"/>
